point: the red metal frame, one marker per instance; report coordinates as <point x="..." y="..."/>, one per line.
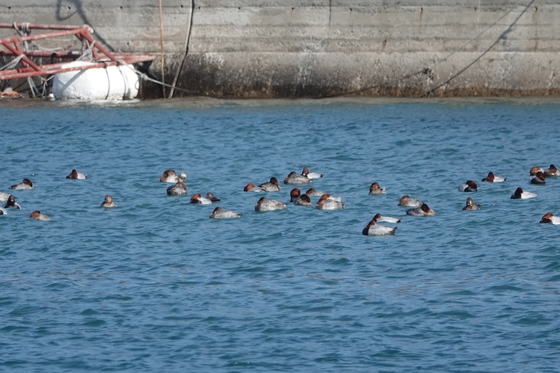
<point x="102" y="57"/>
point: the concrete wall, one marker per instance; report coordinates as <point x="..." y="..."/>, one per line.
<point x="317" y="48"/>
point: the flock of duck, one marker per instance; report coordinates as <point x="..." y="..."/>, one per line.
<point x="326" y="201"/>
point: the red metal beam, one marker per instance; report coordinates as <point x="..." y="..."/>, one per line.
<point x="102" y="55"/>
<point x="49" y="70"/>
<point x="16" y="49"/>
<point x="46" y="35"/>
<point x="38" y="27"/>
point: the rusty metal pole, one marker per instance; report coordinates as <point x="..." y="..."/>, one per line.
<point x="162" y="48"/>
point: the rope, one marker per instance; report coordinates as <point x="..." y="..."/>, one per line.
<point x="187" y="41"/>
<point x="480" y="33"/>
<point x="147" y="78"/>
<point x="45" y="84"/>
<point x="25" y="31"/>
<point x="13" y="63"/>
<point x="428" y="70"/>
<point x="431" y="91"/>
<point x="87" y="53"/>
<point x="162" y="48"/>
<point x="32" y="87"/>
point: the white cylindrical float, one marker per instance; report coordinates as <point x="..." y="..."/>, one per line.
<point x="109" y="83"/>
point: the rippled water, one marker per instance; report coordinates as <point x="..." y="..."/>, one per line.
<point x="155" y="285"/>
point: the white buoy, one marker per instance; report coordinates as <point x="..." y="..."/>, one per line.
<point x="109" y="83"/>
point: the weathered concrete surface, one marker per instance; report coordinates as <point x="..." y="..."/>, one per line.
<point x="319" y="48"/>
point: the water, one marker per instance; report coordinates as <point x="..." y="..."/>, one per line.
<point x="155" y="285"/>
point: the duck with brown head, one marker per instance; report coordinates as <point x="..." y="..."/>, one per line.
<point x="271" y="186"/>
<point x="265" y="204"/>
<point x="328" y="202"/>
<point x="108" y="202"/>
<point x="38" y="215"/>
<point x="423" y="210"/>
<point x="374" y="229"/>
<point x="521" y="194"/>
<point x="311" y="192"/>
<point x="470" y="205"/>
<point x="252" y="188"/>
<point x="169" y="176"/>
<point x="533" y="171"/>
<point x="295" y="179"/>
<point x="549" y="218"/>
<point x="178" y="189"/>
<point x="552" y="171"/>
<point x="220" y="213"/>
<point x="311" y="175"/>
<point x="491" y="178"/>
<point x="76" y="175"/>
<point x="538" y="178"/>
<point x="407" y="201"/>
<point x="469" y="186"/>
<point x="25" y="184"/>
<point x="374" y="188"/>
<point x="197" y="199"/>
<point x="12" y="204"/>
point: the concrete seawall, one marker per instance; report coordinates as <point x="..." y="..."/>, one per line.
<point x="320" y="48"/>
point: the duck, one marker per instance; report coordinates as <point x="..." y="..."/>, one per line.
<point x="265" y="204"/>
<point x="212" y="197"/>
<point x="169" y="176"/>
<point x="388" y="219"/>
<point x="311" y="175"/>
<point x="252" y="188"/>
<point x="11" y="203"/>
<point x="327" y="202"/>
<point x="552" y="171"/>
<point x="199" y="200"/>
<point x="178" y="189"/>
<point x="220" y="213"/>
<point x="331" y="197"/>
<point x="538" y="178"/>
<point x="533" y="171"/>
<point x="469" y="186"/>
<point x="423" y="210"/>
<point x="311" y="192"/>
<point x="108" y="202"/>
<point x="3" y="211"/>
<point x="407" y="201"/>
<point x="494" y="179"/>
<point x="471" y="205"/>
<point x="294" y="178"/>
<point x="270" y="186"/>
<point x="76" y="175"/>
<point x="376" y="189"/>
<point x="295" y="194"/>
<point x="303" y="200"/>
<point x="550" y="219"/>
<point x="520" y="194"/>
<point x="373" y="229"/>
<point x="25" y="184"/>
<point x="38" y="215"/>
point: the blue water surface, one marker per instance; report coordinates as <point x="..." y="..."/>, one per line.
<point x="154" y="285"/>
